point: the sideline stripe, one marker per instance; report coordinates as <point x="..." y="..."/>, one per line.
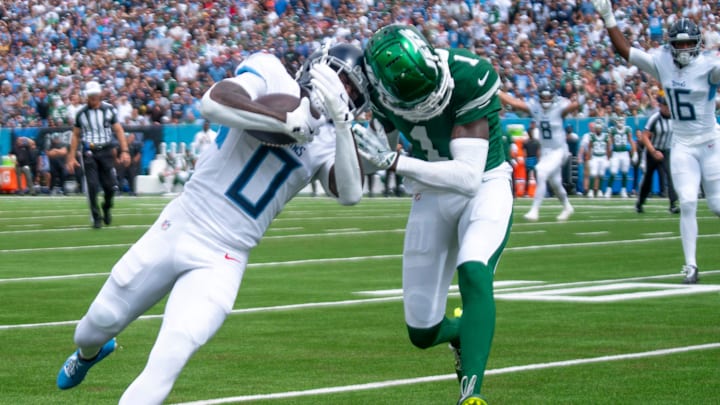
<point x="420" y="380"/>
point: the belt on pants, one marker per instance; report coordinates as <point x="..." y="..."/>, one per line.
<point x="100" y="147"/>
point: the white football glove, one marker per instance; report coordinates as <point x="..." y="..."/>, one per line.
<point x="604" y="8"/>
<point x="332" y="92"/>
<point x="634" y="158"/>
<point x="373" y="146"/>
<point x="300" y="123"/>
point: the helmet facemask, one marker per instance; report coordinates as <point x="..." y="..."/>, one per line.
<point x="346" y="60"/>
<point x="547" y="98"/>
<point x="685" y="39"/>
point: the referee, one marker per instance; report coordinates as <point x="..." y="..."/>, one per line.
<point x="657" y="139"/>
<point x="95" y="123"/>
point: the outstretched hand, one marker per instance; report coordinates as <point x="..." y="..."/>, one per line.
<point x="373" y="146"/>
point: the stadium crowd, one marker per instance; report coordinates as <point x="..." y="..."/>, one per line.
<point x="157" y="57"/>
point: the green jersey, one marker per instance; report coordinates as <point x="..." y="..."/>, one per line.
<point x="598" y="143"/>
<point x="474" y="97"/>
<point x="620" y="138"/>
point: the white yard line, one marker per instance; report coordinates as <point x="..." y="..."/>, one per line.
<point x="434" y="378"/>
<point x="393" y="295"/>
<point x="304" y="236"/>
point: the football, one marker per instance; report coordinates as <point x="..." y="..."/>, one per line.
<point x="278" y="102"/>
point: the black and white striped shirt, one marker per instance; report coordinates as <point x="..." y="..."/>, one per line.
<point x="661" y="130"/>
<point x="96" y="123"/>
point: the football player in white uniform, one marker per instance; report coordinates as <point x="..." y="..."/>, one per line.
<point x="621" y="148"/>
<point x="598" y="151"/>
<point x="549" y="112"/>
<point x="198" y="248"/>
<point x="690" y="79"/>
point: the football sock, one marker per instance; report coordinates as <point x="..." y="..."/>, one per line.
<point x="448" y="330"/>
<point x="540" y="189"/>
<point x="477" y="325"/>
<point x="689" y="231"/>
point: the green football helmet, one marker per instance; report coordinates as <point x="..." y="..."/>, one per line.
<point x="411" y="79"/>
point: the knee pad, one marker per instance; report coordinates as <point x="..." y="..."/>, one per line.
<point x="423" y="337"/>
<point x="103" y="316"/>
<point x="688" y="207"/>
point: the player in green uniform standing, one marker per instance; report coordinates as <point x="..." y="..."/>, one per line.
<point x="445" y="103"/>
<point x="623" y="149"/>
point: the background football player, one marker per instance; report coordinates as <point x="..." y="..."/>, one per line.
<point x="445" y="102"/>
<point x="548" y="111"/>
<point x="238" y="187"/>
<point x="621" y="148"/>
<point x="598" y="151"/>
<point x="690" y="80"/>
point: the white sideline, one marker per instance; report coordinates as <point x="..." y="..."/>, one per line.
<point x="420" y="380"/>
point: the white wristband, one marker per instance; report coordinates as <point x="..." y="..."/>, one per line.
<point x="610" y="20"/>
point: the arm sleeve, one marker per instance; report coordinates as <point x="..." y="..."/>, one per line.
<point x="644" y="61"/>
<point x="348" y="177"/>
<point x="238" y="118"/>
<point x="462" y="175"/>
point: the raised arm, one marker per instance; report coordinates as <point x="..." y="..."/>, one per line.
<point x="513" y="102"/>
<point x="604" y="8"/>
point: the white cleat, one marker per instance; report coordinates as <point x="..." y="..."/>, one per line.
<point x="608" y="193"/>
<point x="623" y="193"/>
<point x="565" y="214"/>
<point x="532" y="216"/>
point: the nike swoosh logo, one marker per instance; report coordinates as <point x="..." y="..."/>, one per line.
<point x="481" y="82"/>
<point x="228" y="257"/>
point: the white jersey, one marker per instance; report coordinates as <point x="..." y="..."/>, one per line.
<point x="246" y="182"/>
<point x="550" y="123"/>
<point x="690" y="95"/>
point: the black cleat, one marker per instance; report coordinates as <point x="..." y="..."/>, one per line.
<point x="107" y="216"/>
<point x="674" y="209"/>
<point x="97" y="223"/>
<point x="639" y="208"/>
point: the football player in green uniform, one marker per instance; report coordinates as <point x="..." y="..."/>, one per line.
<point x="445" y="103"/>
<point x="623" y="147"/>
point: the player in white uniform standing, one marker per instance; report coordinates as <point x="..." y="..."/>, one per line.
<point x="198" y="248"/>
<point x="690" y="80"/>
<point x="549" y="113"/>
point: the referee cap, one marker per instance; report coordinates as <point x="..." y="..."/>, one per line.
<point x="92" y="88"/>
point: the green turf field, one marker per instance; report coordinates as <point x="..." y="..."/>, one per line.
<point x="589" y="311"/>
